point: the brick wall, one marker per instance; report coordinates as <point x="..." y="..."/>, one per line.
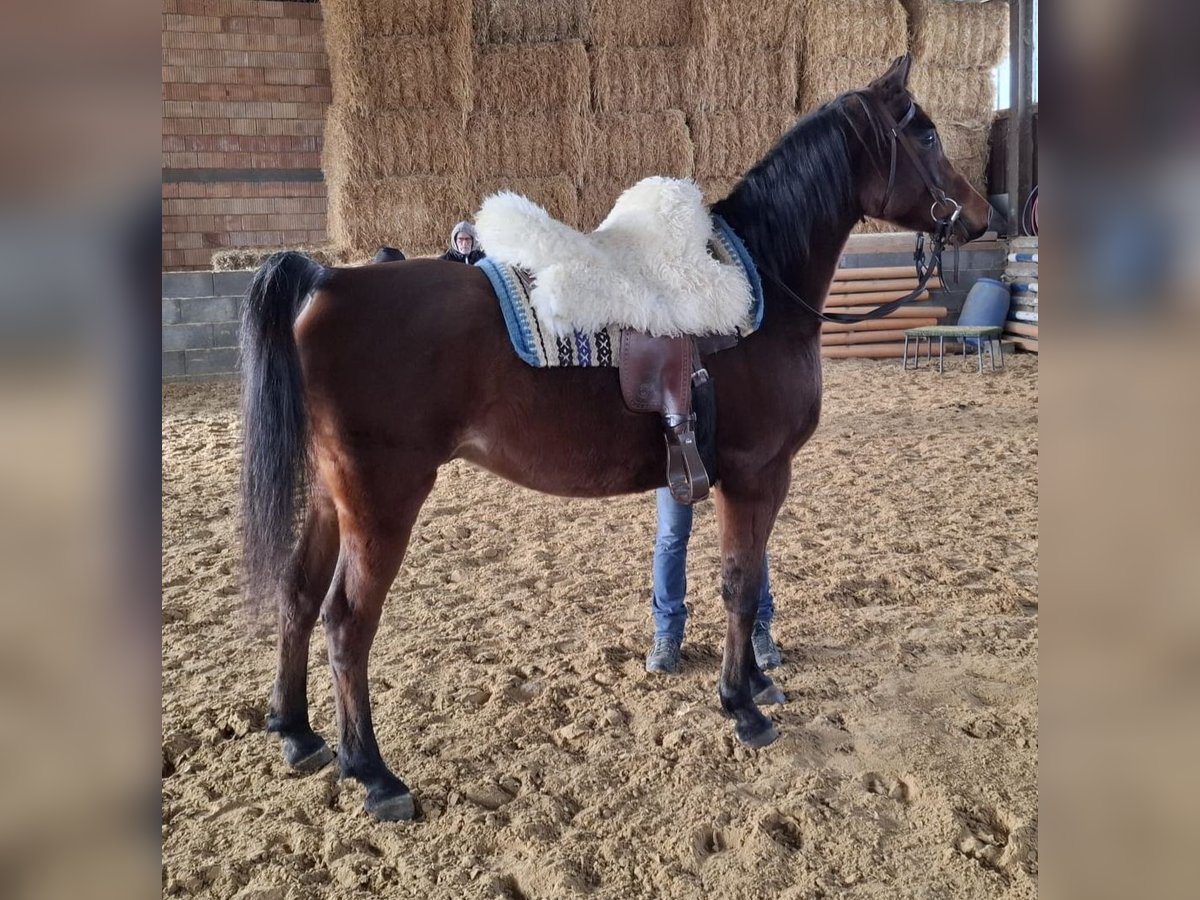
<point x="245" y="85"/>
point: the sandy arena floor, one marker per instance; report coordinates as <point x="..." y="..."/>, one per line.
<point x="509" y="689"/>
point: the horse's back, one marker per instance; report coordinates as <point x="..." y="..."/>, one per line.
<point x="415" y="357"/>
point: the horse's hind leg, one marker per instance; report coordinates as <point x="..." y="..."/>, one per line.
<point x="372" y="548"/>
<point x="305" y="585"/>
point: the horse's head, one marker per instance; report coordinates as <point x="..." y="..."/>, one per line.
<point x="905" y="177"/>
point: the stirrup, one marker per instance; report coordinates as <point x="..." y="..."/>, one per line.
<point x="686" y="477"/>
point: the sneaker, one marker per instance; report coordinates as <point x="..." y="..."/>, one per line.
<point x="663" y="657"/>
<point x="766" y="652"/>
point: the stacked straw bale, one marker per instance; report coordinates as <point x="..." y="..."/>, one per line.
<point x="727" y="144"/>
<point x="537" y="145"/>
<point x="556" y="193"/>
<point x="642" y="23"/>
<point x="958" y="35"/>
<point x="637" y="125"/>
<point x="955" y="46"/>
<point x="740" y="86"/>
<point x="631" y="146"/>
<point x="517" y="79"/>
<point x="527" y="133"/>
<point x="392" y="144"/>
<point x="718" y="79"/>
<point x="636" y="79"/>
<point x="845" y="45"/>
<point x="764" y="25"/>
<point x="535" y="21"/>
<point x="396" y="153"/>
<point x="414" y="213"/>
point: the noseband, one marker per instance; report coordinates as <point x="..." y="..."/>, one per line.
<point x="882" y="124"/>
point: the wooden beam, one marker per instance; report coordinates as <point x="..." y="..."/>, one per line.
<point x="1023" y="342"/>
<point x="898" y="285"/>
<point x="835" y="300"/>
<point x="872" y="272"/>
<point x="1022" y="328"/>
<point x="843" y="338"/>
<point x="904" y="312"/>
<point x="874" y="325"/>
<point x="1020" y="120"/>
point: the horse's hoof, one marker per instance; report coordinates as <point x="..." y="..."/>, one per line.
<point x="394" y="808"/>
<point x="770" y="696"/>
<point x="307" y="754"/>
<point x="761" y="737"/>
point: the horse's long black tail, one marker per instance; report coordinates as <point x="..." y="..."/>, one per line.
<point x="274" y="418"/>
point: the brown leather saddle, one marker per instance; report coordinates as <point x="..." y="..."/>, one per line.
<point x="657" y="376"/>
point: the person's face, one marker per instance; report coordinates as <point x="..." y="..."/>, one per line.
<point x="465" y="242"/>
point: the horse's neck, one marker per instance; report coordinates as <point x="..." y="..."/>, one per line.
<point x="809" y="279"/>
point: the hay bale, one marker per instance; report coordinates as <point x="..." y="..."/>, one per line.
<point x="414" y="214"/>
<point x="876" y="226"/>
<point x="717" y="188"/>
<point x="527" y="146"/>
<point x="961" y="35"/>
<point x="393" y="143"/>
<point x="351" y="20"/>
<point x="727" y="144"/>
<point x="641" y="23"/>
<point x="725" y="80"/>
<point x="557" y="194"/>
<point x="237" y="259"/>
<point x="631" y="146"/>
<point x="855" y="29"/>
<point x="827" y="78"/>
<point x="528" y="78"/>
<point x="402" y="73"/>
<point x="525" y="21"/>
<point x="636" y="79"/>
<point x="479" y="21"/>
<point x="954" y="96"/>
<point x="966" y="146"/>
<point x="596" y="199"/>
<point x="974" y="169"/>
<point x="762" y="25"/>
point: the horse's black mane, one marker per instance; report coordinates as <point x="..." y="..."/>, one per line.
<point x="800" y="191"/>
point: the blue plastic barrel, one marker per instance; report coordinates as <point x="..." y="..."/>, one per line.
<point x="986" y="304"/>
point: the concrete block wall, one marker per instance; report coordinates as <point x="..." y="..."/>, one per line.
<point x="201" y="318"/>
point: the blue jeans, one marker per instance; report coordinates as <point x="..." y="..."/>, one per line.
<point x="670" y="570"/>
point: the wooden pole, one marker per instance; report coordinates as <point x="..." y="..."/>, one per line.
<point x="899" y="285"/>
<point x="1025" y="329"/>
<point x="1020" y="117"/>
<point x="873" y="272"/>
<point x="860" y="337"/>
<point x="874" y="325"/>
<point x="904" y="312"/>
<point x="873" y="297"/>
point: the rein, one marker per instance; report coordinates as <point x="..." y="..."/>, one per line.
<point x="925" y="267"/>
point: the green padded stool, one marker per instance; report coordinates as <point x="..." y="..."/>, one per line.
<point x="963" y="333"/>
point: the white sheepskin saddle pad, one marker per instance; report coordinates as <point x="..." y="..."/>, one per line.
<point x="646" y="267"/>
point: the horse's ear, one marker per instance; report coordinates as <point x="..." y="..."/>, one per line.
<point x="898" y="72"/>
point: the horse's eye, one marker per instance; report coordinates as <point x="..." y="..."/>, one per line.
<point x="929" y="140"/>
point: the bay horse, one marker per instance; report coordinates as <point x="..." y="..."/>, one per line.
<point x="360" y="382"/>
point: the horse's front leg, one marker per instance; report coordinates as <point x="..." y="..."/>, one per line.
<point x="745" y="523"/>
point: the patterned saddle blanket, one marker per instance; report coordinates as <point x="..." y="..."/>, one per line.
<point x="540" y="344"/>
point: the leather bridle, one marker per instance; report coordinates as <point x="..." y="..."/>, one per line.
<point x="926" y="267"/>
